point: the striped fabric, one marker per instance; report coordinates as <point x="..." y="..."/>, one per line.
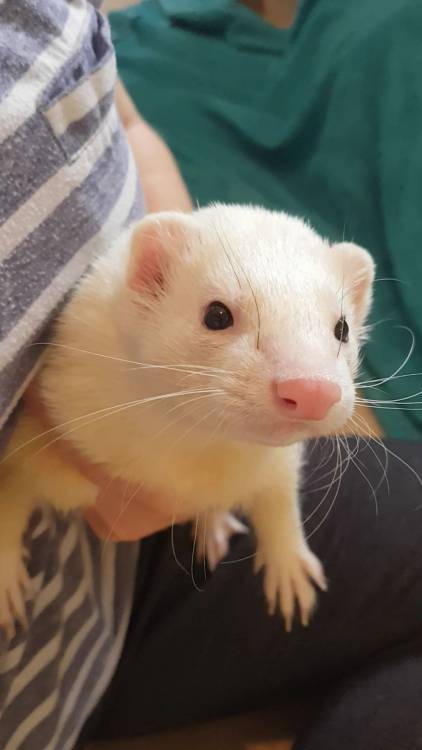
<point x="68" y="185"/>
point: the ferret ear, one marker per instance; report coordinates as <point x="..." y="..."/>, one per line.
<point x="157" y="242"/>
<point x="359" y="272"/>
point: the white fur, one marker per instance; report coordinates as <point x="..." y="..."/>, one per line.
<point x="287" y="289"/>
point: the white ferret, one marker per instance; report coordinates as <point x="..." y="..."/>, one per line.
<point x="208" y="347"/>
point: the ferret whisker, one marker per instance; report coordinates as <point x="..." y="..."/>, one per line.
<point x="139" y="487"/>
<point x="205" y="442"/>
<point x="341" y="311"/>
<point x="390" y="278"/>
<point x="125" y="504"/>
<point x="239" y="559"/>
<point x="349" y="453"/>
<point x="342" y="467"/>
<point x="58" y="427"/>
<point x="192" y="559"/>
<point x="183" y="371"/>
<point x="141" y="365"/>
<point x="102" y="414"/>
<point x="368" y="442"/>
<point x="181" y="566"/>
<point x="193" y="400"/>
<point x="193" y="427"/>
<point x="397" y="407"/>
<point x="318" y="526"/>
<point x="153" y="437"/>
<point x="323" y="462"/>
<point x="330" y="485"/>
<point x="173" y="549"/>
<point x="401" y="400"/>
<point x="122" y="511"/>
<point x="226" y="244"/>
<point x="342" y="464"/>
<point x="218" y="426"/>
<point x="381" y="381"/>
<point x="400" y="460"/>
<point x="204" y="559"/>
<point x="358" y="421"/>
<point x="171" y="424"/>
<point x="315" y="443"/>
<point x="357" y="463"/>
<point x="242" y="306"/>
<point x="108" y="410"/>
<point x="321" y="466"/>
<point x="376" y="381"/>
<point x="322" y="501"/>
<point x="374" y="438"/>
<point x="314" y="490"/>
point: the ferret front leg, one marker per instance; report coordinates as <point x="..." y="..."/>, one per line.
<point x="290" y="567"/>
<point x="19" y="496"/>
<point x="14" y="582"/>
<point x="212" y="533"/>
<point x="28" y="478"/>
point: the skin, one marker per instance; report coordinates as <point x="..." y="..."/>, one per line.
<point x="279" y="13"/>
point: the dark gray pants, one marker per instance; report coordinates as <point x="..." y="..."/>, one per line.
<point x="193" y="655"/>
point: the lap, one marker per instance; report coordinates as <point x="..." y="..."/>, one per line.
<point x="191" y="655"/>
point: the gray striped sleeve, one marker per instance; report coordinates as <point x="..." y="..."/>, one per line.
<point x="29" y="40"/>
<point x="65" y="165"/>
<point x="68" y="185"/>
<point x="53" y="674"/>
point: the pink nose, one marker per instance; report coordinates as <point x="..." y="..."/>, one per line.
<point x="307" y="399"/>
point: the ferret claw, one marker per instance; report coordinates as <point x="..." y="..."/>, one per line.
<point x="213" y="534"/>
<point x="289" y="581"/>
<point x="15" y="587"/>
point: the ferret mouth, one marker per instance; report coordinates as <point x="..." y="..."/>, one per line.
<point x="290" y="430"/>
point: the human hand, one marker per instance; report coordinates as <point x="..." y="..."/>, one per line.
<point x="120" y="515"/>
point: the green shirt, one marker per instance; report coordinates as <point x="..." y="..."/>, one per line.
<point x="323" y="120"/>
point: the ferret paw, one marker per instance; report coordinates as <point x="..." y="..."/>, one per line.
<point x="14" y="588"/>
<point x="290" y="579"/>
<point x="213" y="533"/>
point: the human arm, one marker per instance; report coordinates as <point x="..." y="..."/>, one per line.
<point x="162" y="184"/>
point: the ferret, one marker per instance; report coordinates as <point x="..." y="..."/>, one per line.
<point x="193" y="360"/>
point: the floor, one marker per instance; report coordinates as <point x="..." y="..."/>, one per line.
<point x="262" y="730"/>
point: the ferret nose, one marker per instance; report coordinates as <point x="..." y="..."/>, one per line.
<point x="307" y="399"/>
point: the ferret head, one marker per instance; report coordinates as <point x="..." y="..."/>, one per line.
<point x="250" y="316"/>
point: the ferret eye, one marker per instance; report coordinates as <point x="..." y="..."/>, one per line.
<point x="341" y="330"/>
<point x="217" y="317"/>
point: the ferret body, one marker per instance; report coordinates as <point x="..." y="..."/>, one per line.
<point x="193" y="360"/>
